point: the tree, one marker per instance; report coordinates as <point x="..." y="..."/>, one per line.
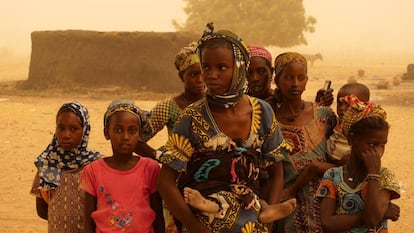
<point x="266" y="22"/>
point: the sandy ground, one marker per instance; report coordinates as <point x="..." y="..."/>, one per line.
<point x="28" y="119"/>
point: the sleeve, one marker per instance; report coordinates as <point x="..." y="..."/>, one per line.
<point x="87" y="179"/>
<point x="159" y="118"/>
<point x="274" y="148"/>
<point x="179" y="147"/>
<point x="152" y="172"/>
<point x="389" y="182"/>
<point x="327" y="115"/>
<point x="327" y="187"/>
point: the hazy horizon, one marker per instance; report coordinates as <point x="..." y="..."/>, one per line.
<point x="343" y="27"/>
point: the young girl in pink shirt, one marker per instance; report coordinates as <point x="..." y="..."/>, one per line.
<point x="120" y="190"/>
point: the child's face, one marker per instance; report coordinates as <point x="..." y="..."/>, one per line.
<point x="192" y="79"/>
<point x="372" y="138"/>
<point x="68" y="131"/>
<point x="292" y="80"/>
<point x="123" y="131"/>
<point x="217" y="69"/>
<point x="258" y="76"/>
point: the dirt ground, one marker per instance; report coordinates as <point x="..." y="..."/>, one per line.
<point x="28" y="119"/>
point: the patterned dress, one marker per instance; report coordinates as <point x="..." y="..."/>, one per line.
<point x="309" y="145"/>
<point x="66" y="203"/>
<point x="351" y="200"/>
<point x="165" y="113"/>
<point x="196" y="132"/>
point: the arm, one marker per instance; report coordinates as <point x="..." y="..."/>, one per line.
<point x="376" y="204"/>
<point x="331" y="222"/>
<point x="90" y="206"/>
<point x="393" y="212"/>
<point x="311" y="172"/>
<point x="377" y="200"/>
<point x="156" y="205"/>
<point x="42" y="208"/>
<point x="145" y="150"/>
<point x="275" y="184"/>
<point x="175" y="201"/>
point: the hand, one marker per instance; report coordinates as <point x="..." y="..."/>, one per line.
<point x="324" y="97"/>
<point x="393" y="212"/>
<point x="372" y="159"/>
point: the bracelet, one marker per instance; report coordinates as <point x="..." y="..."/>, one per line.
<point x="373" y="176"/>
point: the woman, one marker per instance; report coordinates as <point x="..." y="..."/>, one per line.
<point x="166" y="112"/>
<point x="259" y="77"/>
<point x="213" y="136"/>
<point x="306" y="126"/>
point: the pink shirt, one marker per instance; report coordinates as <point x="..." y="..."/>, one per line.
<point x="123" y="197"/>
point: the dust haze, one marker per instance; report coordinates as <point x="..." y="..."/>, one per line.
<point x="350" y="32"/>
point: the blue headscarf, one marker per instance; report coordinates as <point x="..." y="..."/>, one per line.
<point x="53" y="159"/>
<point x="240" y="65"/>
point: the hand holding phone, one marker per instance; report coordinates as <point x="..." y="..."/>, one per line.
<point x="327" y="85"/>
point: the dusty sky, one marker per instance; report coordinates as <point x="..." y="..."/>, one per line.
<point x="352" y="25"/>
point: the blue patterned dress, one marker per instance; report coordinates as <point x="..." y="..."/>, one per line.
<point x="196" y="132"/>
<point x="352" y="200"/>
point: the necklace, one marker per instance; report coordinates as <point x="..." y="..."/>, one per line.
<point x="292" y="117"/>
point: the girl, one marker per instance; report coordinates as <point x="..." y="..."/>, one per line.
<point x="56" y="186"/>
<point x="306" y="126"/>
<point x="356" y="197"/>
<point x="120" y="190"/>
<point x="210" y="132"/>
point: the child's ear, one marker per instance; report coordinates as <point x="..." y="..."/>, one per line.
<point x="106" y="133"/>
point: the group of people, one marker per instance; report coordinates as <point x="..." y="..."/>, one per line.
<point x="236" y="159"/>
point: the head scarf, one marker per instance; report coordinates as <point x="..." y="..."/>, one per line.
<point x="259" y="51"/>
<point x="286" y="58"/>
<point x="240" y="65"/>
<point x="129" y="106"/>
<point x="186" y="57"/>
<point x="359" y="110"/>
<point x="53" y="159"/>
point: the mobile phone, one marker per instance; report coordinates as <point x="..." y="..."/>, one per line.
<point x="327" y="85"/>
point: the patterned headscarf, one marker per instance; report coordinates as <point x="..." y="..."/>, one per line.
<point x="240" y="66"/>
<point x="286" y="58"/>
<point x="53" y="159"/>
<point x="186" y="57"/>
<point x="259" y="51"/>
<point x="129" y="106"/>
<point x="359" y="110"/>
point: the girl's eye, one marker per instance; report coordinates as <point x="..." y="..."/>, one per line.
<point x="133" y="130"/>
<point x="118" y="130"/>
<point x="205" y="68"/>
<point x="195" y="74"/>
<point x="223" y="68"/>
<point x="74" y="129"/>
<point x="301" y="78"/>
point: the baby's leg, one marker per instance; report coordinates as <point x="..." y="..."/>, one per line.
<point x="271" y="213"/>
<point x="196" y="200"/>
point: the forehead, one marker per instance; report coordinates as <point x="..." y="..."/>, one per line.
<point x="217" y="54"/>
<point x="294" y="67"/>
<point x="67" y="116"/>
<point x="121" y="117"/>
<point x="257" y="61"/>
